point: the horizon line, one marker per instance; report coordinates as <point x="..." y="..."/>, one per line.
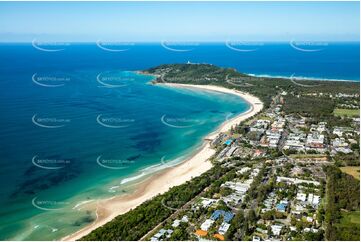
<point x="181" y="41"/>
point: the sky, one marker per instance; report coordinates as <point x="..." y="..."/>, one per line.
<point x="178" y="21"/>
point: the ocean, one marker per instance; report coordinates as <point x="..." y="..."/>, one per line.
<point x="79" y="123"/>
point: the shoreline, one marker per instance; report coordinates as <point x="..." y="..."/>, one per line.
<point x="301" y="78"/>
<point x="163" y="180"/>
<point x="269" y="76"/>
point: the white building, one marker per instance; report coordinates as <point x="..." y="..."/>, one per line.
<point x="207" y="224"/>
<point x="276" y="229"/>
<point x="301" y="196"/>
<point x="223" y="228"/>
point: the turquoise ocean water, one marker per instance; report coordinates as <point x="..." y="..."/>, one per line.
<point x="69" y="145"/>
<point x="79" y="124"/>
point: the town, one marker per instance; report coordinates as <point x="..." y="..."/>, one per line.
<point x="290" y="172"/>
<point x="283" y="157"/>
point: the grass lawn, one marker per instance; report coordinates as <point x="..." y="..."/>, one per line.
<point x="352" y="170"/>
<point x="346" y="112"/>
<point x="348" y="227"/>
<point x="350" y="217"/>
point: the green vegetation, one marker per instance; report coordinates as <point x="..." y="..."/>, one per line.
<point x="317" y="102"/>
<point x="313" y="106"/>
<point x="350" y="217"/>
<point x="137" y="222"/>
<point x="352" y="170"/>
<point x="347" y="159"/>
<point x="264" y="88"/>
<point x="342" y="194"/>
<point x="307" y="156"/>
<point x="348" y="226"/>
<point x="346" y="112"/>
<point x="338" y="215"/>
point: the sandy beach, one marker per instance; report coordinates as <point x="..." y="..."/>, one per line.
<point x="156" y="184"/>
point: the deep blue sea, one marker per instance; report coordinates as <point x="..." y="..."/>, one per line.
<point x="79" y="124"/>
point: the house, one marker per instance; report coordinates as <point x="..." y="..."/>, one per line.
<point x="340" y="145"/>
<point x="276" y="229"/>
<point x="258" y="153"/>
<point x="177" y="222"/>
<point x="312" y="230"/>
<point x="201" y="233"/>
<point x="301" y="197"/>
<point x="295" y="142"/>
<point x="231" y="150"/>
<point x="259" y="125"/>
<point x="223" y="228"/>
<point x="256" y="238"/>
<point x="161" y="233"/>
<point x="219" y="236"/>
<point x="296" y="180"/>
<point x="243" y="170"/>
<point x="313" y="200"/>
<point x="207" y="224"/>
<point x="339" y="131"/>
<point x="206" y="202"/>
<point x="315" y="141"/>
